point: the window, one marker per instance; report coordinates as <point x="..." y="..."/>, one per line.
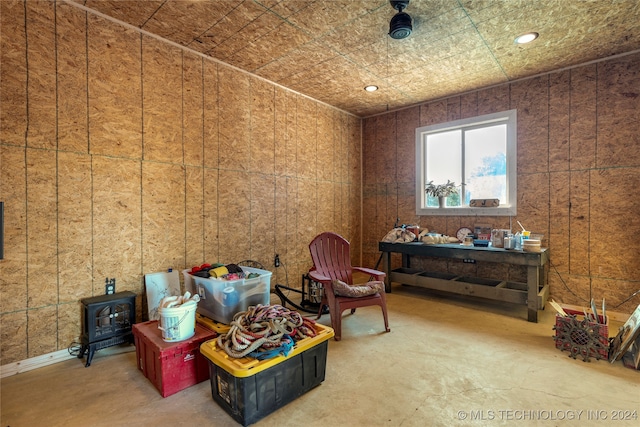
<point x="477" y="154"/>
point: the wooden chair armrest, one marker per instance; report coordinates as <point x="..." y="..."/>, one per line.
<point x="377" y="275"/>
<point x="326" y="284"/>
<point x="317" y="277"/>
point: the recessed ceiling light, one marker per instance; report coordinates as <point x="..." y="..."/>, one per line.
<point x="526" y="38"/>
<point x="371" y="88"/>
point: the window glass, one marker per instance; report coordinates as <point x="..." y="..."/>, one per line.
<point x="443" y="154"/>
<point x="486" y="163"/>
<point x="477" y="154"/>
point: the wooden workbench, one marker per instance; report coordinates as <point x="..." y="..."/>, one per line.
<point x="533" y="294"/>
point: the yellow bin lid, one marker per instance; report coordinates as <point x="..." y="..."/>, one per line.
<point x="211" y="324"/>
<point x="248" y="366"/>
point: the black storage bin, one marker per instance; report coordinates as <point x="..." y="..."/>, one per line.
<point x="249" y="390"/>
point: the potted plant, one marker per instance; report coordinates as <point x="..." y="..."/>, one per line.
<point x="441" y="191"/>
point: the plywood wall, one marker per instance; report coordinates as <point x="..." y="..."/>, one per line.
<point x="578" y="172"/>
<point x="122" y="155"/>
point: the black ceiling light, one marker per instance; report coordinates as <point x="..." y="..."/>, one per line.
<point x="400" y="26"/>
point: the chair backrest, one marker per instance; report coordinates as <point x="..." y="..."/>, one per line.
<point x="331" y="256"/>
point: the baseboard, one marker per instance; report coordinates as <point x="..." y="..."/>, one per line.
<point x="34" y="363"/>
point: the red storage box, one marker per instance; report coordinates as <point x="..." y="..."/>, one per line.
<point x="581" y="337"/>
<point x="173" y="366"/>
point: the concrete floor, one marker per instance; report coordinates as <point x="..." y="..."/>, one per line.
<point x="448" y="361"/>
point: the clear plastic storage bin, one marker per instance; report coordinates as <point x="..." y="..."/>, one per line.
<point x="221" y="299"/>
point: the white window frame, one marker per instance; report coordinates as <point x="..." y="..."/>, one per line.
<point x="510" y="209"/>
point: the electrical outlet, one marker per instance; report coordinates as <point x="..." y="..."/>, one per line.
<point x="276" y="260"/>
<point x="109" y="286"/>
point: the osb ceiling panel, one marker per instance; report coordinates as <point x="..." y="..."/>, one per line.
<point x="330" y="49"/>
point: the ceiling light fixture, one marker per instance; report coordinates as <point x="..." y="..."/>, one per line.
<point x="371" y="88"/>
<point x="526" y="38"/>
<point x="400" y="26"/>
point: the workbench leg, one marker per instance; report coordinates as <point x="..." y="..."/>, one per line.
<point x="533" y="279"/>
<point x="386" y="267"/>
<point x="406" y="261"/>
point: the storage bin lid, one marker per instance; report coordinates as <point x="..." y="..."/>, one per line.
<point x="248" y="366"/>
<point x="220" y="328"/>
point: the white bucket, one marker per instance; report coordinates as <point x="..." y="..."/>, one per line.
<point x="178" y="323"/>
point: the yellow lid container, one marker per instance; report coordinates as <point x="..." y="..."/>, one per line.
<point x="212" y="325"/>
<point x="248" y="366"/>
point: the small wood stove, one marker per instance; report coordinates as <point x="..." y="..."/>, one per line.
<point x="106" y="322"/>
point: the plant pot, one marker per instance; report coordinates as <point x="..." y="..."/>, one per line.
<point x="442" y="201"/>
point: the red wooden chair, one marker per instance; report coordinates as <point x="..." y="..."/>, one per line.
<point x="331" y="261"/>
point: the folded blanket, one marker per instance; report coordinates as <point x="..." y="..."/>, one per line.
<point x="343" y="289"/>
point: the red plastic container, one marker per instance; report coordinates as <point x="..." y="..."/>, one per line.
<point x="174" y="366"/>
<point x="577" y="334"/>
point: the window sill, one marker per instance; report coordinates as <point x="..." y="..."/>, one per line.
<point x="466" y="211"/>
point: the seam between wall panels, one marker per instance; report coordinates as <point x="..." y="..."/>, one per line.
<point x="217" y="241"/>
<point x="26" y="187"/>
<point x="595" y="166"/>
<point x="361" y="189"/>
<point x="275" y="178"/>
<point x="249" y="174"/>
<point x="202" y="168"/>
<point x="395" y="179"/>
<point x="57" y="183"/>
<point x="142" y="154"/>
<point x="569" y="170"/>
<point x="183" y="162"/>
<point x="91" y="189"/>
